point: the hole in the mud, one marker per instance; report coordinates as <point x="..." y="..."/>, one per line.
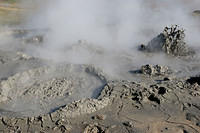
<point x="142" y="47"/>
<point x="63" y="128"/>
<point x="162" y="90"/>
<point x="194" y="80"/>
<point x="135" y="71"/>
<point x="166" y="79"/>
<point x="153" y="98"/>
<point x="135" y="99"/>
<point x="137" y="96"/>
<point x="198" y="124"/>
<point x="39" y="118"/>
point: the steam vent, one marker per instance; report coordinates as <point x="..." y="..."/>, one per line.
<point x="171" y="41"/>
<point x="73" y="66"/>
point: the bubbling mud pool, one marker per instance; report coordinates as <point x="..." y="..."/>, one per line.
<point x="32" y="85"/>
<point x="42" y="90"/>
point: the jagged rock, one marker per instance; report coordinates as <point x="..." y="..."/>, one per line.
<point x="171" y="41"/>
<point x="196" y="13"/>
<point x="121" y="112"/>
<point x="155" y="70"/>
<point x="35" y="39"/>
<point x="27" y="36"/>
<point x="85" y="106"/>
<point x="94" y="128"/>
<point x="24" y="56"/>
<point x="128" y="124"/>
<point x="135" y="92"/>
<point x="193" y="80"/>
<point x="100" y="117"/>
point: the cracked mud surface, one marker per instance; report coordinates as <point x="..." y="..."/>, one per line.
<point x="44" y="89"/>
<point x="39" y="95"/>
<point x="156" y="105"/>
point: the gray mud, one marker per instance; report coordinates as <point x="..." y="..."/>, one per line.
<point x="40" y="95"/>
<point x="158" y="104"/>
<point x="41" y="90"/>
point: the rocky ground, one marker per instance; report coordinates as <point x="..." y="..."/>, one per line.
<point x="38" y="95"/>
<point x="159" y="104"/>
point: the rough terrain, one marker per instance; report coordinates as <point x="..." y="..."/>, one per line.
<point x="171" y="41"/>
<point x="38" y="95"/>
<point x="159" y="104"/>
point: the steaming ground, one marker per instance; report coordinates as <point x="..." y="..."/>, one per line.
<point x="75" y="66"/>
<point x="32" y="85"/>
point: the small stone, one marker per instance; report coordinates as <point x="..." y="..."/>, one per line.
<point x="196" y="13"/>
<point x="195" y="93"/>
<point x="23" y="56"/>
<point x="155" y="70"/>
<point x="55" y="128"/>
<point x="128" y="124"/>
<point x="94" y="128"/>
<point x="113" y="126"/>
<point x="68" y="127"/>
<point x="125" y="85"/>
<point x="101" y="117"/>
<point x="84" y="122"/>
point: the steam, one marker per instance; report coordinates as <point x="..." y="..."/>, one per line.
<point x="113" y="27"/>
<point x="113" y="23"/>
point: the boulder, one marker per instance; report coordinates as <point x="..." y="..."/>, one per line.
<point x="171" y="41"/>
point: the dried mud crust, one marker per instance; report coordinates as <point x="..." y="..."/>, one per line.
<point x="56" y="87"/>
<point x="51" y="87"/>
<point x="82" y="107"/>
<point x="171" y="41"/>
<point x="28" y="36"/>
<point x="8" y="57"/>
<point x="125" y="106"/>
<point x="155" y="70"/>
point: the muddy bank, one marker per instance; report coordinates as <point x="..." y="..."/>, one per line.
<point x="42" y="90"/>
<point x="167" y="105"/>
<point x="41" y="95"/>
<point x="153" y="90"/>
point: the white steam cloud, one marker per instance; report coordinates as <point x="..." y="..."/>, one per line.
<point x="113" y="23"/>
<point x="116" y="26"/>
